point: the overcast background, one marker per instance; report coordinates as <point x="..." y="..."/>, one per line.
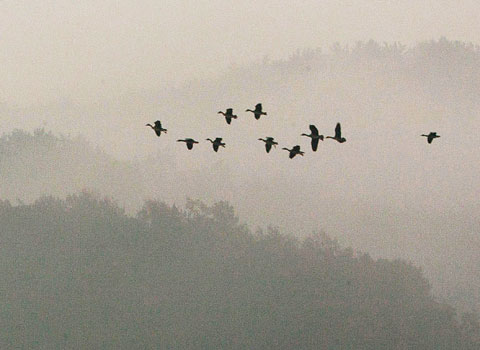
<point x="87" y="50"/>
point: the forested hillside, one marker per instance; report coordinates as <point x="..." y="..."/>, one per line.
<point x="39" y="163"/>
<point x="80" y="273"/>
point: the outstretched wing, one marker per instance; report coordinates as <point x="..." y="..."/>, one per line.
<point x="257" y="115"/>
<point x="338" y="131"/>
<point x="229" y="111"/>
<point x="228" y="119"/>
<point x="296" y="148"/>
<point x="215" y="147"/>
<point x="268" y="146"/>
<point x="158" y="131"/>
<point x="314" y="144"/>
<point x="189" y="144"/>
<point x="430" y="138"/>
<point x="313" y="129"/>
<point x="258" y="107"/>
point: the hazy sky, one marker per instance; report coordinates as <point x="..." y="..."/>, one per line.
<point x="55" y="49"/>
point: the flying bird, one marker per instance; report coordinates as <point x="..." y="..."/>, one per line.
<point x="228" y="115"/>
<point x="258" y="111"/>
<point x="314" y="136"/>
<point x="269" y="142"/>
<point x="294" y="151"/>
<point x="217" y="143"/>
<point x="157" y="128"/>
<point x="189" y="142"/>
<point x="431" y="136"/>
<point x="338" y="134"/>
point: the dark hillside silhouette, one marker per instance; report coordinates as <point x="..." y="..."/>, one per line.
<point x="80" y="273"/>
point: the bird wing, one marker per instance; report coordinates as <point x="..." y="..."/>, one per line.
<point x="314" y="130"/>
<point x="158" y="124"/>
<point x="257" y="115"/>
<point x="296" y="148"/>
<point x="430" y="138"/>
<point x="268" y="146"/>
<point x="228" y="119"/>
<point x="314" y="144"/>
<point x="215" y="147"/>
<point x="229" y="111"/>
<point x="189" y="144"/>
<point x="258" y="107"/>
<point x="158" y="131"/>
<point x="338" y="131"/>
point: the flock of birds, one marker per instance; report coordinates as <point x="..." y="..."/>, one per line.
<point x="269" y="141"/>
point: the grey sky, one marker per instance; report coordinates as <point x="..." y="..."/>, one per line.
<point x="89" y="49"/>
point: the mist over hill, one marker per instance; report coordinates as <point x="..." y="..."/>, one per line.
<point x="385" y="191"/>
<point x="80" y="273"/>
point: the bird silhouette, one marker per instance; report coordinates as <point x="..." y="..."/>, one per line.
<point x="314" y="136"/>
<point x="338" y="134"/>
<point x="258" y="111"/>
<point x="294" y="151"/>
<point x="228" y="115"/>
<point x="431" y="136"/>
<point x="269" y="142"/>
<point x="157" y="128"/>
<point x="189" y="142"/>
<point x="217" y="143"/>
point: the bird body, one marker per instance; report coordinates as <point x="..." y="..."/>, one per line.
<point x="217" y="143"/>
<point x="431" y="136"/>
<point x="269" y="142"/>
<point x="314" y="136"/>
<point x="228" y="115"/>
<point x="294" y="151"/>
<point x="338" y="134"/>
<point x="189" y="142"/>
<point x="157" y="128"/>
<point x="258" y="112"/>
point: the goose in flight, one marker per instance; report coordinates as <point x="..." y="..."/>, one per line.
<point x="189" y="142"/>
<point x="217" y="143"/>
<point x="269" y="142"/>
<point x="157" y="128"/>
<point x="294" y="151"/>
<point x="431" y="136"/>
<point x="228" y="115"/>
<point x="338" y="134"/>
<point x="314" y="136"/>
<point x="258" y="111"/>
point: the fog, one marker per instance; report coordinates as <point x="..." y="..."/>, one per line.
<point x="91" y="76"/>
<point x="56" y="50"/>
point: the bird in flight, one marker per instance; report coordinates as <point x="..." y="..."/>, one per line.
<point x="269" y="142"/>
<point x="294" y="151"/>
<point x="431" y="136"/>
<point x="228" y="115"/>
<point x="338" y="134"/>
<point x="217" y="143"/>
<point x="157" y="128"/>
<point x="314" y="136"/>
<point x="189" y="142"/>
<point x="258" y="111"/>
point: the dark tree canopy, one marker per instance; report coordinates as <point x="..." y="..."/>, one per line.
<point x="80" y="273"/>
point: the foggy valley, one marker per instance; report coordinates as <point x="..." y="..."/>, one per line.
<point x="112" y="237"/>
